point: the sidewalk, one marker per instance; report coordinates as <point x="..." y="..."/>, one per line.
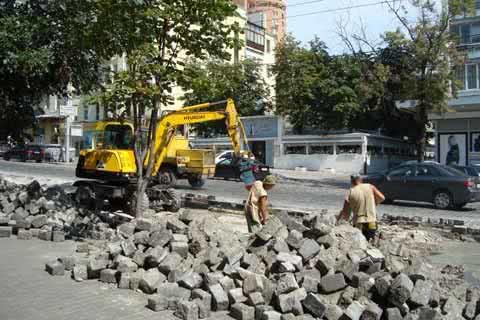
<point x="310" y="177"/>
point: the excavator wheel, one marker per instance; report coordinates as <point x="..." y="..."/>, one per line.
<point x="133" y="203"/>
<point x="84" y="196"/>
<point x="166" y="178"/>
<point x="196" y="181"/>
<point x="175" y="202"/>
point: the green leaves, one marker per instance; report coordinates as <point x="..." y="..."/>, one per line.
<point x="318" y="91"/>
<point x="216" y="80"/>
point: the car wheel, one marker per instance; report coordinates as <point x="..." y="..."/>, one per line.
<point x="38" y="161"/>
<point x="6" y="158"/>
<point x="442" y="200"/>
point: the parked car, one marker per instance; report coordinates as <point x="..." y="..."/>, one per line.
<point x="4" y="147"/>
<point x="228" y="154"/>
<point x="25" y="153"/>
<point x="472" y="171"/>
<point x="416" y="162"/>
<point x="444" y="186"/>
<point x="228" y="169"/>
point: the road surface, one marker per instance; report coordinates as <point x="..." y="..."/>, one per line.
<point x="328" y="194"/>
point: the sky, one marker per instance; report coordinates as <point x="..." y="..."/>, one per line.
<point x="376" y="19"/>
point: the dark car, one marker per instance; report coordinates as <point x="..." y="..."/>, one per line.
<point x="25" y="153"/>
<point x="4" y="147"/>
<point x="441" y="185"/>
<point x="472" y="171"/>
<point x="228" y="169"/>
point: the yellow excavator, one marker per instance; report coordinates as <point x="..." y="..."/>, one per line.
<point x="111" y="166"/>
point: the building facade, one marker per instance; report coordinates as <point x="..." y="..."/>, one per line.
<point x="458" y="131"/>
<point x="271" y="15"/>
<point x="357" y="152"/>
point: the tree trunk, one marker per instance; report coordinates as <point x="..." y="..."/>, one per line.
<point x="141" y="205"/>
<point x="422" y="121"/>
<point x="421" y="142"/>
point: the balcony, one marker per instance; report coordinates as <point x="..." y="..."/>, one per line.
<point x="255" y="35"/>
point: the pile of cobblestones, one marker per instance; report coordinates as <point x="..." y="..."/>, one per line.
<point x="48" y="213"/>
<point x="295" y="268"/>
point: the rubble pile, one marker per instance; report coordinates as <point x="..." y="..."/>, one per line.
<point x="48" y="213"/>
<point x="294" y="268"/>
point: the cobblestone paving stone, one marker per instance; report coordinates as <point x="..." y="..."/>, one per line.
<point x="30" y="293"/>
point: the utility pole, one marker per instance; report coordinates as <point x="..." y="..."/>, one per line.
<point x="66" y="157"/>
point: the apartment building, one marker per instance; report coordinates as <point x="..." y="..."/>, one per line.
<point x="458" y="132"/>
<point x="271" y="15"/>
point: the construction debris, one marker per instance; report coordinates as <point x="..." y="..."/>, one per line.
<point x="196" y="267"/>
<point x="297" y="267"/>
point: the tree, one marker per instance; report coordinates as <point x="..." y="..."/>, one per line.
<point x="157" y="36"/>
<point x="429" y="47"/>
<point x="43" y="51"/>
<point x="295" y="74"/>
<point x="321" y="92"/>
<point x="217" y="80"/>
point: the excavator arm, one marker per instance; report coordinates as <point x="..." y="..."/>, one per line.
<point x="199" y="114"/>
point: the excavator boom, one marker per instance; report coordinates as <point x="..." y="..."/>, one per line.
<point x="199" y="114"/>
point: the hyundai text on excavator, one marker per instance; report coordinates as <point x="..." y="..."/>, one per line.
<point x="112" y="169"/>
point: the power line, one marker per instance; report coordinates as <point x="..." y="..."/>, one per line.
<point x="325" y="11"/>
<point x="303" y="3"/>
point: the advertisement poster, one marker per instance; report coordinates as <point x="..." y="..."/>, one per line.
<point x="475" y="142"/>
<point x="453" y="149"/>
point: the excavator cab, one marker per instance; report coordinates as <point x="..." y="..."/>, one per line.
<point x="113" y="157"/>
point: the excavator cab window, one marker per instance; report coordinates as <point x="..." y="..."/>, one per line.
<point x="118" y="137"/>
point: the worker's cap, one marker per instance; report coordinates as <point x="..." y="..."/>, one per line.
<point x="355" y="177"/>
<point x="270" y="180"/>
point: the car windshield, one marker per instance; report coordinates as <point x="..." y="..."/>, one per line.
<point x="118" y="137"/>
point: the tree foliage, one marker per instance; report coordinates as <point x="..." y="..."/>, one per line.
<point x="43" y="50"/>
<point x="315" y="90"/>
<point x="157" y="37"/>
<point x="428" y="51"/>
<point x="217" y="80"/>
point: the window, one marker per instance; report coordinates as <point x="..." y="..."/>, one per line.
<point x="374" y="150"/>
<point x="268" y="46"/>
<point x="118" y="137"/>
<point x="401" y="172"/>
<point x="85" y="113"/>
<point x="425" y="171"/>
<point x="321" y="150"/>
<point x="97" y="112"/>
<point x="296" y="150"/>
<point x="465" y="33"/>
<point x="472" y="76"/>
<point x="349" y="149"/>
<point x="226" y="162"/>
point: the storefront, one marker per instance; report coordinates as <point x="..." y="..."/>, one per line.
<point x="458" y="141"/>
<point x="349" y="152"/>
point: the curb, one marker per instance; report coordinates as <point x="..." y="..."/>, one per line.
<point x="453" y="225"/>
<point x="297" y="180"/>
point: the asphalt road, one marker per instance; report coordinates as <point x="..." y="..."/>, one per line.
<point x="328" y="194"/>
